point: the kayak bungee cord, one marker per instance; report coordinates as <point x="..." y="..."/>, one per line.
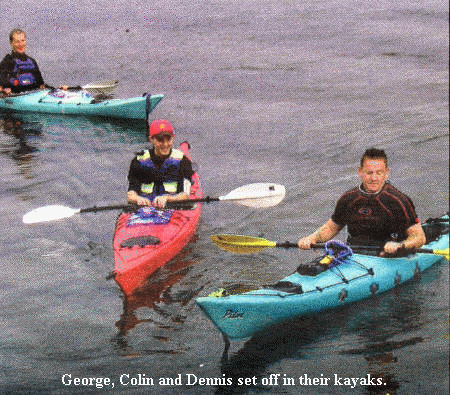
<point x="331" y="259"/>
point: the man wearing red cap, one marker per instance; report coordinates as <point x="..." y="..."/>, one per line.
<point x="161" y="173"/>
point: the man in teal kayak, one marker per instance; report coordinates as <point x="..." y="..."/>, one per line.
<point x="375" y="213"/>
<point x="18" y="71"/>
<point x="160" y="174"/>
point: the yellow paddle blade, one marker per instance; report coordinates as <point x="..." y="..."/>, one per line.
<point x="241" y="244"/>
<point x="445" y="253"/>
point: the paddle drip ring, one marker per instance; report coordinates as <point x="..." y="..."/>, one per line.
<point x="338" y="251"/>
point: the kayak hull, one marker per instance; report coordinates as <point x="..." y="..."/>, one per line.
<point x="133" y="265"/>
<point x="80" y="103"/>
<point x="359" y="277"/>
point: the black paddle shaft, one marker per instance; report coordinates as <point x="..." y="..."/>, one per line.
<point x="187" y="202"/>
<point x="288" y="244"/>
<point x="132" y="207"/>
<point x="107" y="208"/>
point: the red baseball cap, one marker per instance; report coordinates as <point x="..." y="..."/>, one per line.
<point x="160" y="126"/>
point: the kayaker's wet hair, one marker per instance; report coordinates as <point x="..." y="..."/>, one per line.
<point x="15" y="31"/>
<point x="374" y="153"/>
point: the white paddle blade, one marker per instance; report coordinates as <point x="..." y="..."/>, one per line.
<point x="101" y="87"/>
<point x="258" y="195"/>
<point x="48" y="213"/>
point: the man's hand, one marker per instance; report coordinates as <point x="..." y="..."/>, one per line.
<point x="134" y="198"/>
<point x="391" y="248"/>
<point x="6" y="91"/>
<point x="305" y="243"/>
<point x="160" y="201"/>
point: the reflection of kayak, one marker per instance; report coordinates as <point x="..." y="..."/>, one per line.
<point x="154" y="292"/>
<point x="148" y="239"/>
<point x="80" y="103"/>
<point x="352" y="278"/>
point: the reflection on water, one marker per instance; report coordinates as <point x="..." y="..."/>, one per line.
<point x="374" y="323"/>
<point x="151" y="298"/>
<point x="21" y="146"/>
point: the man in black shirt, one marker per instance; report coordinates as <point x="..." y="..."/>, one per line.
<point x="375" y="213"/>
<point x="160" y="174"/>
<point x="18" y="71"/>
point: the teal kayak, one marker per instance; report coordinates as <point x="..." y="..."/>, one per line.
<point x="80" y="103"/>
<point x="336" y="280"/>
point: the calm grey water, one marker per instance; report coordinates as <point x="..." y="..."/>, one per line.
<point x="281" y="91"/>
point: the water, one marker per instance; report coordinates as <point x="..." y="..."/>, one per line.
<point x="289" y="92"/>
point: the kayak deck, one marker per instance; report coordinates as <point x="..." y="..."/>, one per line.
<point x="358" y="277"/>
<point x="142" y="245"/>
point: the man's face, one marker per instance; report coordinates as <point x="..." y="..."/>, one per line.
<point x="19" y="43"/>
<point x="373" y="174"/>
<point x="163" y="144"/>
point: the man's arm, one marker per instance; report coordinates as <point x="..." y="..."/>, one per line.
<point x="415" y="239"/>
<point x="134" y="198"/>
<point x="326" y="232"/>
<point x="4" y="74"/>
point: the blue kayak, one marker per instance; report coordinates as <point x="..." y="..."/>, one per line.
<point x="80" y="103"/>
<point x="340" y="279"/>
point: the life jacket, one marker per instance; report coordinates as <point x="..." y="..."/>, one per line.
<point x="165" y="179"/>
<point x="23" y="73"/>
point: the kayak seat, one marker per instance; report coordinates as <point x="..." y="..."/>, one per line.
<point x="233" y="289"/>
<point x="434" y="228"/>
<point x="286" y="286"/>
<point x="140" y="241"/>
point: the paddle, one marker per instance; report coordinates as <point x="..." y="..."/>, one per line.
<point x="259" y="195"/>
<point x="98" y="87"/>
<point x="248" y="244"/>
<point x="101" y="87"/>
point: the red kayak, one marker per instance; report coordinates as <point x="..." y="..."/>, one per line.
<point x="148" y="239"/>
